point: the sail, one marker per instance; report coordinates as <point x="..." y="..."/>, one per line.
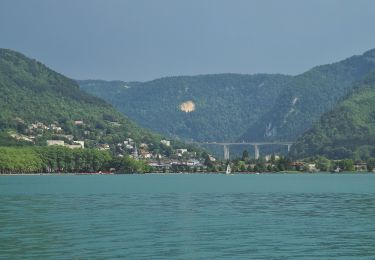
<point x="229" y="170"/>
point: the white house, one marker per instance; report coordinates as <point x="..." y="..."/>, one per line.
<point x="81" y="143"/>
<point x="166" y="142"/>
<point x="55" y="142"/>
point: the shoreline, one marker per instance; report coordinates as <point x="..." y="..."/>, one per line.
<point x="185" y="173"/>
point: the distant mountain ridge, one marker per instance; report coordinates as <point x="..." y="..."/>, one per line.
<point x="233" y="107"/>
<point x="225" y="105"/>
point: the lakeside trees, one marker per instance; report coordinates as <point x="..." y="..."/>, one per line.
<point x="57" y="159"/>
<point x="275" y="163"/>
<point x="17" y="160"/>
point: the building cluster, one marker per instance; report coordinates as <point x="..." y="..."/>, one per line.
<point x="175" y="165"/>
<point x="313" y="167"/>
<point x="56" y="135"/>
<point x="75" y="145"/>
<point x="39" y="127"/>
<point x="142" y="150"/>
<point x="166" y="142"/>
<point x="22" y="137"/>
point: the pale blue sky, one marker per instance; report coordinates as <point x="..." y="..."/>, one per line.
<point x="142" y="40"/>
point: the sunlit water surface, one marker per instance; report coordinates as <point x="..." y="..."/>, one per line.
<point x="188" y="217"/>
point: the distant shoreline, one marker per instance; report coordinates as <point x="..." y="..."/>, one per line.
<point x="183" y="173"/>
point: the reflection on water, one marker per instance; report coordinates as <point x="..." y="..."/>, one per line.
<point x="182" y="225"/>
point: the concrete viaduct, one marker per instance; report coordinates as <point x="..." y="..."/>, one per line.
<point x="255" y="144"/>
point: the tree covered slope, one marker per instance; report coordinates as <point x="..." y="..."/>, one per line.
<point x="225" y="105"/>
<point x="348" y="131"/>
<point x="37" y="104"/>
<point x="308" y="96"/>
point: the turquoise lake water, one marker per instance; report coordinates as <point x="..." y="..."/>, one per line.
<point x="270" y="216"/>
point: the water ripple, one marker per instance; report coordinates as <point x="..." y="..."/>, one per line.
<point x="203" y="225"/>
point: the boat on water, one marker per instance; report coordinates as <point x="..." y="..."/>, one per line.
<point x="229" y="169"/>
<point x="337" y="170"/>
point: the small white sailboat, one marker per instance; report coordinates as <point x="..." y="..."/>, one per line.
<point x="229" y="169"/>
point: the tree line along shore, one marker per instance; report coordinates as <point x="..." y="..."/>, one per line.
<point x="57" y="159"/>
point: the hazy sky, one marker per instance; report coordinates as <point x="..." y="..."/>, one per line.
<point x="142" y="40"/>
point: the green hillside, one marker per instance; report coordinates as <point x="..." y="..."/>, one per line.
<point x="308" y="96"/>
<point x="230" y="107"/>
<point x="38" y="104"/>
<point x="225" y="105"/>
<point x="348" y="131"/>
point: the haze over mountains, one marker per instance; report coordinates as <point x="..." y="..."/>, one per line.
<point x="232" y="107"/>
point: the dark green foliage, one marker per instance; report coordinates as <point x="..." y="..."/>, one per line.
<point x="348" y="131"/>
<point x="282" y="164"/>
<point x="62" y="159"/>
<point x="323" y="163"/>
<point x="245" y="155"/>
<point x="128" y="165"/>
<point x="225" y="105"/>
<point x="346" y="165"/>
<point x="17" y="160"/>
<point x="207" y="160"/>
<point x="371" y="164"/>
<point x="57" y="159"/>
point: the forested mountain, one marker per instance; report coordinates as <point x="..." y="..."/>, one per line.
<point x="308" y="96"/>
<point x="37" y="104"/>
<point x="348" y="131"/>
<point x="229" y="107"/>
<point x="222" y="106"/>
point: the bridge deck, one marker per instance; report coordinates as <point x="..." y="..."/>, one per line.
<point x="255" y="144"/>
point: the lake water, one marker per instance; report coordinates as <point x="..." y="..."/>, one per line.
<point x="270" y="216"/>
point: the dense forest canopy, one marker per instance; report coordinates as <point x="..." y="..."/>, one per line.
<point x="308" y="96"/>
<point x="348" y="131"/>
